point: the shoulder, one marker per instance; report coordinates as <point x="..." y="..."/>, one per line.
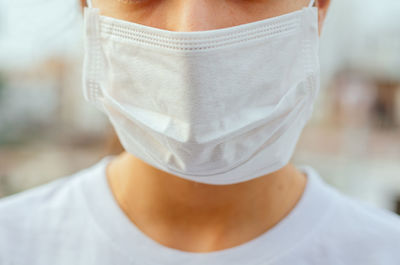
<point x="43" y="214"/>
<point x="18" y="210"/>
<point x="350" y="231"/>
<point x="358" y="212"/>
<point x="20" y="206"/>
<point x="367" y="220"/>
<point x="363" y="233"/>
<point x="354" y="217"/>
<point x="48" y="197"/>
<point x="51" y="196"/>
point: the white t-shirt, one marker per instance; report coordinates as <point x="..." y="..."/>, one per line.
<point x="76" y="221"/>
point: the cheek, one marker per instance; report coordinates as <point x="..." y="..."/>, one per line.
<point x="129" y="10"/>
<point x="321" y="19"/>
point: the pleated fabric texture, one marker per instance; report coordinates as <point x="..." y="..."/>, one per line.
<point x="218" y="106"/>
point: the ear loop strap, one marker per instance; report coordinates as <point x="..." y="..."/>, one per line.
<point x="312" y="2"/>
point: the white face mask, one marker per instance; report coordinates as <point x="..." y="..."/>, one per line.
<point x="219" y="106"/>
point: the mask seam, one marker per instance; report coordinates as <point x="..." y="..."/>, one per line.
<point x="94" y="62"/>
<point x="234" y="30"/>
<point x="310" y="66"/>
<point x="234" y="35"/>
<point x="232" y="42"/>
<point x="307" y="64"/>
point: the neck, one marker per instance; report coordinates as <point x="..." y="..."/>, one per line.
<point x="157" y="201"/>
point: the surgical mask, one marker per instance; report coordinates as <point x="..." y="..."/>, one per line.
<point x="219" y="106"/>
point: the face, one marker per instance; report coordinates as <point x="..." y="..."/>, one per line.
<point x="199" y="15"/>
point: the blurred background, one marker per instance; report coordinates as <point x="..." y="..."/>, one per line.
<point x="47" y="130"/>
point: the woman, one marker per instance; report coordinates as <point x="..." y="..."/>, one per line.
<point x="208" y="99"/>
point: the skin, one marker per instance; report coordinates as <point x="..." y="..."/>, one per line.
<point x="183" y="214"/>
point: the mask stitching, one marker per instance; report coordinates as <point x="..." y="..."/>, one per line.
<point x="206" y="46"/>
<point x="93" y="58"/>
<point x="232" y="31"/>
<point x="98" y="55"/>
<point x="234" y="35"/>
